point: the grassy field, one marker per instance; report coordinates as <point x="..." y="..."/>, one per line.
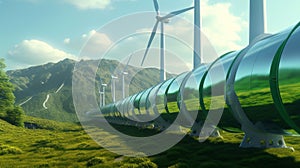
<point x="67" y="145"/>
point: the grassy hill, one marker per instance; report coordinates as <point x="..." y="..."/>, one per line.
<point x="57" y="144"/>
<point x="33" y="85"/>
<point x="45" y="91"/>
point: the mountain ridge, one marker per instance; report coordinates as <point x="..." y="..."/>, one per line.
<point x="45" y="91"/>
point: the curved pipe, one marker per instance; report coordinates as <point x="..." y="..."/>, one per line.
<point x="262" y="87"/>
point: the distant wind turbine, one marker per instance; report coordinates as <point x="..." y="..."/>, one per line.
<point x="113" y="84"/>
<point x="103" y="93"/>
<point x="161" y="20"/>
<point x="100" y="94"/>
<point x="113" y="87"/>
<point x="124" y="72"/>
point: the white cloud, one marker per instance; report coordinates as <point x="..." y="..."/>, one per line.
<point x="89" y="4"/>
<point x="35" y="52"/>
<point x="67" y="41"/>
<point x="92" y="44"/>
<point x="97" y="44"/>
<point x="84" y="36"/>
<point x="80" y="4"/>
<point x="222" y="27"/>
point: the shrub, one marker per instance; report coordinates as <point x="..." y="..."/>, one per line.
<point x="6" y="149"/>
<point x="95" y="161"/>
<point x="138" y="163"/>
<point x="180" y="165"/>
<point x="45" y="143"/>
<point x="147" y="164"/>
<point x="129" y="165"/>
<point x="15" y="116"/>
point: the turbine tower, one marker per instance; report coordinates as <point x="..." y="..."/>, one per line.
<point x="162" y="20"/>
<point x="113" y="83"/>
<point x="123" y="84"/>
<point x="124" y="72"/>
<point x="101" y="98"/>
<point x="197" y="35"/>
<point x="257" y="18"/>
<point x="100" y="95"/>
<point x="103" y="93"/>
<point x="113" y="87"/>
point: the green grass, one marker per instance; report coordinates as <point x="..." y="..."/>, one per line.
<point x="225" y="152"/>
<point x="56" y="144"/>
<point x="67" y="145"/>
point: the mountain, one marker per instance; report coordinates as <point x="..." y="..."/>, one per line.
<point x="45" y="91"/>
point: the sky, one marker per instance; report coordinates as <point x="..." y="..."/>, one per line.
<point x="35" y="32"/>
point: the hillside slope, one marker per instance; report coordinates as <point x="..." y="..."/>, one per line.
<point x="46" y="91"/>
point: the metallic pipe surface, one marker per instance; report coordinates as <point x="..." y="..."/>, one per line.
<point x="265" y="80"/>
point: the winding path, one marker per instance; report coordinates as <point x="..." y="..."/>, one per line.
<point x="44" y="104"/>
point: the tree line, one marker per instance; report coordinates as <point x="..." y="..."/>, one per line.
<point x="8" y="110"/>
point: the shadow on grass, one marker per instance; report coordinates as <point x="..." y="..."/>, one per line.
<point x="217" y="152"/>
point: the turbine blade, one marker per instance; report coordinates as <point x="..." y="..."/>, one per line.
<point x="113" y="70"/>
<point x="125" y="68"/>
<point x="172" y="14"/>
<point x="156" y="6"/>
<point x="150" y="41"/>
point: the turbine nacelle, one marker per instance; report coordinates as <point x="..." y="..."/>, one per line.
<point x="162" y="19"/>
<point x="114" y="77"/>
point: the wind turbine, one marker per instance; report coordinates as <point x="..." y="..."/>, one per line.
<point x="115" y="77"/>
<point x="100" y="98"/>
<point x="124" y="72"/>
<point x="113" y="83"/>
<point x="100" y="94"/>
<point x="257" y="26"/>
<point x="103" y="93"/>
<point x="161" y="20"/>
<point x="123" y="84"/>
<point x="113" y="87"/>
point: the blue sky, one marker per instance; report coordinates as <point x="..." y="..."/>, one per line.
<point x="35" y="32"/>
